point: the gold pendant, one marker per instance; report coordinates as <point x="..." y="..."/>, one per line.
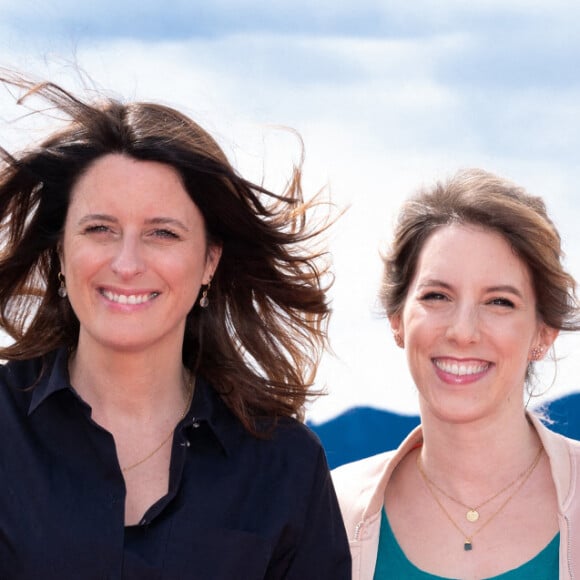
<point x="472" y="516"/>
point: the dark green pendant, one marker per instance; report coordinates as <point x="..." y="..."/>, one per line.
<point x="467" y="546"/>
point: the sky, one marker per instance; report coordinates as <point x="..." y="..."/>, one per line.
<point x="386" y="96"/>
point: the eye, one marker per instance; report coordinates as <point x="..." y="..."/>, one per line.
<point x="433" y="296"/>
<point x="505" y="302"/>
<point x="165" y="234"/>
<point x="96" y="229"/>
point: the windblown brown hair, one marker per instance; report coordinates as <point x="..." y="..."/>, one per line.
<point x="479" y="198"/>
<point x="260" y="340"/>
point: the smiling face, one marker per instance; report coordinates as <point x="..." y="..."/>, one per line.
<point x="134" y="254"/>
<point x="468" y="325"/>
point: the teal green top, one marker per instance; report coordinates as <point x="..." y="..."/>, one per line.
<point x="392" y="562"/>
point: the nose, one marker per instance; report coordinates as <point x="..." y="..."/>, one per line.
<point x="128" y="260"/>
<point x="463" y="324"/>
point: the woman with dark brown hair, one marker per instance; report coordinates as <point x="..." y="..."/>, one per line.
<point x="166" y="321"/>
<point x="476" y="293"/>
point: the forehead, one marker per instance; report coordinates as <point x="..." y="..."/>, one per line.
<point x="125" y="183"/>
<point x="467" y="254"/>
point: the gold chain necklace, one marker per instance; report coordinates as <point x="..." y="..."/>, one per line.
<point x="190" y="384"/>
<point x="468" y="541"/>
<point x="472" y="514"/>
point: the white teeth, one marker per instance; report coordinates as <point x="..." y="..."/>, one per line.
<point x="129" y="298"/>
<point x="459" y="369"/>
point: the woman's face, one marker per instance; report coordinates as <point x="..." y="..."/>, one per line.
<point x="134" y="254"/>
<point x="468" y="324"/>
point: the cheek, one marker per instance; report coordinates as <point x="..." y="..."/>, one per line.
<point x="75" y="250"/>
<point x="185" y="274"/>
<point x="419" y="327"/>
<point x="79" y="264"/>
<point x="514" y="334"/>
<point x="419" y="339"/>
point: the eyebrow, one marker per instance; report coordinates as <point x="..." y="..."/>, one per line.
<point x="505" y="288"/>
<point x="499" y="288"/>
<point x="153" y="221"/>
<point x="433" y="282"/>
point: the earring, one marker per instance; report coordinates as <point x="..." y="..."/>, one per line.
<point x="536" y="353"/>
<point x="399" y="339"/>
<point x="204" y="300"/>
<point x="62" y="288"/>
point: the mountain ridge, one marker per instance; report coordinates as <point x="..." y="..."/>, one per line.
<point x="364" y="431"/>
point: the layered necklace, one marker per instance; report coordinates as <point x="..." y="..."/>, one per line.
<point x="190" y="386"/>
<point x="472" y="514"/>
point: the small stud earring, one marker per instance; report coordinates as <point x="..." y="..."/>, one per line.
<point x="204" y="300"/>
<point x="537" y="353"/>
<point x="62" y="288"/>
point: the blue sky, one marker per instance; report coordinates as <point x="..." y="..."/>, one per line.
<point x="386" y="95"/>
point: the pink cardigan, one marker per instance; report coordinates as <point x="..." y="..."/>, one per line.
<point x="360" y="487"/>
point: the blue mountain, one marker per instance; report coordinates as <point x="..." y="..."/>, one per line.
<point x="364" y="431"/>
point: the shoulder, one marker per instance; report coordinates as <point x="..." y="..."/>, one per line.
<point x="557" y="444"/>
<point x="293" y="442"/>
<point x="282" y="436"/>
<point x="27" y="383"/>
<point x="371" y="471"/>
<point x="564" y="456"/>
<point x="554" y="443"/>
<point x="292" y="432"/>
<point x="364" y="474"/>
<point x="280" y="446"/>
<point x="270" y="432"/>
<point x="17" y="378"/>
<point x="360" y="486"/>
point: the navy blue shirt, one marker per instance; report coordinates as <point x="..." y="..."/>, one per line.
<point x="238" y="507"/>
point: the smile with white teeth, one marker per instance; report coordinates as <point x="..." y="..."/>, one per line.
<point x="460" y="369"/>
<point x="129" y="298"/>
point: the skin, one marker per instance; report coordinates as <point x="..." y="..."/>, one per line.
<point x="134" y="255"/>
<point x="468" y="326"/>
<point x="469" y="323"/>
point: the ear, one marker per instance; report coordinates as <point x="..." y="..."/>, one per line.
<point x="60" y="254"/>
<point x="214" y="253"/>
<point x="544" y="341"/>
<point x="397" y="329"/>
<point x="548" y="335"/>
<point x="395" y="322"/>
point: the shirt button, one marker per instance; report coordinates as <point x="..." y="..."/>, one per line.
<point x="194" y="423"/>
<point x="186" y="443"/>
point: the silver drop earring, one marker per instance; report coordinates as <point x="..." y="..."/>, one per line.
<point x="62" y="288"/>
<point x="204" y="300"/>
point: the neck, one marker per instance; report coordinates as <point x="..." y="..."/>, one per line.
<point x="469" y="459"/>
<point x="135" y="383"/>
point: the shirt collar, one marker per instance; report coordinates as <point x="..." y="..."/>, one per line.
<point x="207" y="407"/>
<point x="54" y="378"/>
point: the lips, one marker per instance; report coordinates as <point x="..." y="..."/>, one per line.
<point x="461" y="368"/>
<point x="130" y="299"/>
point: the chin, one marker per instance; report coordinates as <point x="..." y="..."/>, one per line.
<point x="458" y="414"/>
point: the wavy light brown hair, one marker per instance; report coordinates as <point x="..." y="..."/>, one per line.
<point x="479" y="198"/>
<point x="260" y="340"/>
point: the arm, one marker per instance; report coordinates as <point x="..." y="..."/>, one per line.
<point x="320" y="550"/>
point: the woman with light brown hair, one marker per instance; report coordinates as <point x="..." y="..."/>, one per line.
<point x="166" y="320"/>
<point x="475" y="292"/>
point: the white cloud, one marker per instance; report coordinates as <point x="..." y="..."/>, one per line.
<point x="380" y="115"/>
